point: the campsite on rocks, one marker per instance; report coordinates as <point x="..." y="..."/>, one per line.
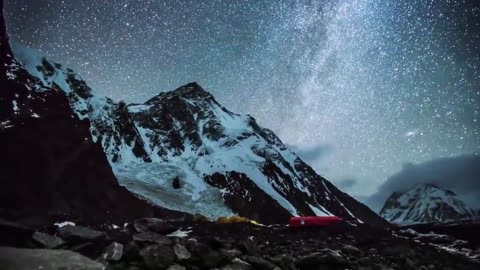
<point x="181" y="182"/>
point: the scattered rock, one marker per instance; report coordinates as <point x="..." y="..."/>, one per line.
<point x="158" y="256"/>
<point x="47" y="241"/>
<point x="153" y="238"/>
<point x="28" y="259"/>
<point x="229" y="247"/>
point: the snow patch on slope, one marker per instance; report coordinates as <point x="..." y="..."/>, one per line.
<point x="320" y="212"/>
<point x="34" y="62"/>
<point x="50" y="75"/>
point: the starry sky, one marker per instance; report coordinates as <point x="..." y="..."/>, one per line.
<point x="356" y="87"/>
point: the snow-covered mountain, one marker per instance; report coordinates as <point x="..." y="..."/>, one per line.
<point x="424" y="203"/>
<point x="225" y="163"/>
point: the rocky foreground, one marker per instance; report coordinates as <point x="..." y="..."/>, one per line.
<point x="159" y="244"/>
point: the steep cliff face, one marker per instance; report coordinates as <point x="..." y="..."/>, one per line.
<point x="51" y="168"/>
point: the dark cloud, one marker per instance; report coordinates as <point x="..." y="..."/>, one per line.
<point x="460" y="174"/>
<point x="312" y="154"/>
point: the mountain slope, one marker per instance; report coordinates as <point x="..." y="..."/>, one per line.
<point x="424" y="203"/>
<point x="51" y="169"/>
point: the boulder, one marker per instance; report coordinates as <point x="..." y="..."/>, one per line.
<point x="132" y="251"/>
<point x="153" y="238"/>
<point x="351" y="249"/>
<point x="191" y="243"/>
<point x="230" y="254"/>
<point x="237" y="264"/>
<point x="72" y="233"/>
<point x="217" y="242"/>
<point x="157" y="257"/>
<point x="284" y="261"/>
<point x="400" y="251"/>
<point x="260" y="263"/>
<point x="176" y="267"/>
<point x="112" y="252"/>
<point x="181" y="252"/>
<point x="28" y="259"/>
<point x="208" y="257"/>
<point x="154" y="225"/>
<point x="326" y="258"/>
<point x="249" y="246"/>
<point x="47" y="241"/>
<point x="14" y="234"/>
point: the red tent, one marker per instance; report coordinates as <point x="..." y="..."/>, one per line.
<point x="314" y="221"/>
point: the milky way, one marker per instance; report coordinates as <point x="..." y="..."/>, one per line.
<point x="379" y="83"/>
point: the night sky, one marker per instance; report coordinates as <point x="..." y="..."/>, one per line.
<point x="356" y="87"/>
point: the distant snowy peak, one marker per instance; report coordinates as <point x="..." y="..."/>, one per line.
<point x="424" y="203"/>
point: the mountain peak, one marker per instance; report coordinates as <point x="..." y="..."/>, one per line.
<point x="192" y="89"/>
<point x="424" y="203"/>
<point x="193" y="86"/>
<point x="188" y="91"/>
<point x="427" y="186"/>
